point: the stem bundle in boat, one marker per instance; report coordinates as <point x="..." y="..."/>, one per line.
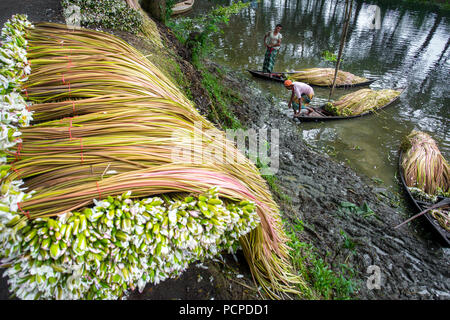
<point x="325" y="76"/>
<point x="361" y="101"/>
<point x="424" y="166"/>
<point x="127" y="119"/>
<point x="426" y="172"/>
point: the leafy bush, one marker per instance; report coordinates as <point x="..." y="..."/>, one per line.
<point x="198" y="31"/>
<point x="111" y="14"/>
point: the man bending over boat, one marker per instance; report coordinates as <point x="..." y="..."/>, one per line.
<point x="272" y="41"/>
<point x="301" y="96"/>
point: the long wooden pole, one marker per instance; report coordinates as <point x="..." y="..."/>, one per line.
<point x="441" y="203"/>
<point x="348" y="13"/>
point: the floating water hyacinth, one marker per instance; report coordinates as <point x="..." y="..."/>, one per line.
<point x="121" y="243"/>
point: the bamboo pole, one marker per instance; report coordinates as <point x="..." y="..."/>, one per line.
<point x="348" y="13"/>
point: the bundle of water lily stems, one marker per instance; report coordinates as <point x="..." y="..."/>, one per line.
<point x="112" y="131"/>
<point x="361" y="101"/>
<point x="426" y="171"/>
<point x="325" y="76"/>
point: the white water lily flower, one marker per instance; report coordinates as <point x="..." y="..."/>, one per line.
<point x="27" y="70"/>
<point x="5" y="60"/>
<point x="4" y="82"/>
<point x="134" y="209"/>
<point x="172" y="214"/>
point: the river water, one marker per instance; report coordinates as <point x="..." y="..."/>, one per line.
<point x="406" y="47"/>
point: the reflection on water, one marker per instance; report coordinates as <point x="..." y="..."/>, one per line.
<point x="410" y="49"/>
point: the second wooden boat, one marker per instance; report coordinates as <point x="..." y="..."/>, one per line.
<point x="182" y="7"/>
<point x="282" y="76"/>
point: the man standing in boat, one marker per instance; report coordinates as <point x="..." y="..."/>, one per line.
<point x="301" y="96"/>
<point x="272" y="41"/>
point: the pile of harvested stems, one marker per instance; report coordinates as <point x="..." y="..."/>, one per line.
<point x="325" y="76"/>
<point x="107" y="125"/>
<point x="426" y="171"/>
<point x="423" y="164"/>
<point x="361" y="101"/>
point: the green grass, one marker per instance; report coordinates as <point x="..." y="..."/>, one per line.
<point x="329" y="283"/>
<point x="221" y="98"/>
<point x="351" y="208"/>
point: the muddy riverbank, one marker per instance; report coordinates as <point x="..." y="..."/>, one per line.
<point x="411" y="262"/>
<point x="411" y="265"/>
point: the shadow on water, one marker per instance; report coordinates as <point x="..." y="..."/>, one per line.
<point x="409" y="48"/>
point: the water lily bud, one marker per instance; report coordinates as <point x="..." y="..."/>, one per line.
<point x="55" y="250"/>
<point x="96" y="216"/>
<point x="122" y="236"/>
<point x="45" y="244"/>
<point x="155" y="229"/>
<point x="83" y="223"/>
<point x="118" y="213"/>
<point x="20" y="225"/>
<point x="215" y="201"/>
<point x="13" y="221"/>
<point x="117" y="278"/>
<point x="110" y="214"/>
<point x="139" y="230"/>
<point x="68" y="233"/>
<point x="87" y="213"/>
<point x="126" y="225"/>
<point x="30" y="235"/>
<point x="244" y="203"/>
<point x="76" y="225"/>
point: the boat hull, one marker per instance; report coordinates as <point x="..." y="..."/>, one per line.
<point x="443" y="235"/>
<point x="182" y="7"/>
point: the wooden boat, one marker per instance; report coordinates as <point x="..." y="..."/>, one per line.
<point x="282" y="76"/>
<point x="320" y="114"/>
<point x="182" y="7"/>
<point x="276" y="76"/>
<point x="443" y="234"/>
